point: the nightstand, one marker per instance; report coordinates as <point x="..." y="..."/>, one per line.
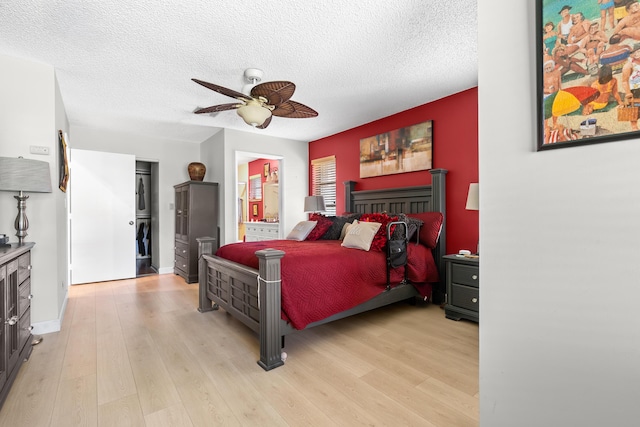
<point x="463" y="281"/>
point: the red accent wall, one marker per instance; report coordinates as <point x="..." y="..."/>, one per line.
<point x="257" y="167"/>
<point x="455" y="148"/>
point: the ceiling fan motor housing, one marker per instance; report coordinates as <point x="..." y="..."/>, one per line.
<point x="253" y="75"/>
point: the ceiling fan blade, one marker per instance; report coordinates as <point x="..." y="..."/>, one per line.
<point x="222" y="90"/>
<point x="217" y="108"/>
<point x="265" y="124"/>
<point x="274" y="92"/>
<point x="294" y="110"/>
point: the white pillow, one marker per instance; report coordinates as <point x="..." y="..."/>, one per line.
<point x="301" y="230"/>
<point x="360" y="235"/>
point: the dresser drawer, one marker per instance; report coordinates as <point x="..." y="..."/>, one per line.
<point x="465" y="274"/>
<point x="269" y="233"/>
<point x="24" y="329"/>
<point x="182" y="249"/>
<point x="464" y="297"/>
<point x="24" y="266"/>
<point x="181" y="263"/>
<point x="24" y="297"/>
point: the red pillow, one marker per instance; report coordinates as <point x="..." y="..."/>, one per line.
<point x="430" y="229"/>
<point x="321" y="227"/>
<point x="380" y="239"/>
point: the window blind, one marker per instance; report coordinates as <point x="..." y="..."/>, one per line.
<point x="323" y="182"/>
<point x="255" y="188"/>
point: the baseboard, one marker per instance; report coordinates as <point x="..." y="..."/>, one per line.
<point x="46" y="327"/>
<point x="50" y="326"/>
<point x="165" y="270"/>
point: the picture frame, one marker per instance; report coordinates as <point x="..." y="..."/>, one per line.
<point x="402" y="150"/>
<point x="582" y="73"/>
<point x="266" y="170"/>
<point x="63" y="163"/>
<point x="255" y="209"/>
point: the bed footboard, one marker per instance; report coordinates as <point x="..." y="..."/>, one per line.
<point x="252" y="296"/>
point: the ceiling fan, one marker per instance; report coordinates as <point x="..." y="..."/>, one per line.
<point x="259" y="102"/>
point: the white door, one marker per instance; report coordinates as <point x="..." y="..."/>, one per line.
<point x="102" y="211"/>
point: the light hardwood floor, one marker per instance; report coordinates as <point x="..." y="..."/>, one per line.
<point x="138" y="353"/>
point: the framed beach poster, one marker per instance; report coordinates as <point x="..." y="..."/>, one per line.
<point x="588" y="71"/>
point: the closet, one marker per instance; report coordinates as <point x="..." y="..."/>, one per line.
<point x="144" y="223"/>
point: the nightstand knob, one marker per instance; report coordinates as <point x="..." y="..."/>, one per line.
<point x="474" y="300"/>
<point x="474" y="277"/>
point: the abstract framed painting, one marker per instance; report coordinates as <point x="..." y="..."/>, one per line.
<point x="407" y="149"/>
<point x="588" y="71"/>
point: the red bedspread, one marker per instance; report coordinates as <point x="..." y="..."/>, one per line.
<point x="321" y="278"/>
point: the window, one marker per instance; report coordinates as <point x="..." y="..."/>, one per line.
<point x="255" y="187"/>
<point x="323" y="182"/>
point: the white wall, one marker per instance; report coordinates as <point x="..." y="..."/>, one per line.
<point x="220" y="152"/>
<point x="173" y="157"/>
<point x="31" y="112"/>
<point x="559" y="329"/>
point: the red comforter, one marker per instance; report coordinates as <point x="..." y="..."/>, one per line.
<point x="321" y="278"/>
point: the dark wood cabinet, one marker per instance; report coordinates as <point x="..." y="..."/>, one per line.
<point x="463" y="288"/>
<point x="15" y="312"/>
<point x="196" y="205"/>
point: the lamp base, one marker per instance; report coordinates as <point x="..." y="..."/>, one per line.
<point x="21" y="223"/>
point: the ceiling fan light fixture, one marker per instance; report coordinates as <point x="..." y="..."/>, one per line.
<point x="253" y="113"/>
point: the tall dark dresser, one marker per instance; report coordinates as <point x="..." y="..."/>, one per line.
<point x="196" y="216"/>
<point x="15" y="312"/>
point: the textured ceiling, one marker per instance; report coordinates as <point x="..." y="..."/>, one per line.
<point x="127" y="65"/>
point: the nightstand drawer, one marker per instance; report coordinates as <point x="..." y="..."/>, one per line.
<point x="465" y="274"/>
<point x="464" y="297"/>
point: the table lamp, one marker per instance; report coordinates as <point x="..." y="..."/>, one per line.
<point x="473" y="202"/>
<point x="24" y="175"/>
<point x="314" y="204"/>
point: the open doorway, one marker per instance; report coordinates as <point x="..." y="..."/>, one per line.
<point x="258" y="198"/>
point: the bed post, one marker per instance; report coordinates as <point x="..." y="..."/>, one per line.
<point x="349" y="187"/>
<point x="439" y="201"/>
<point x="206" y="246"/>
<point x="269" y="306"/>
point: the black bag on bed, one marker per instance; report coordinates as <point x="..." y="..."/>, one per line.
<point x="396" y="250"/>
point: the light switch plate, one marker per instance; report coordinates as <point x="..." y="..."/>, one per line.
<point x="38" y="149"/>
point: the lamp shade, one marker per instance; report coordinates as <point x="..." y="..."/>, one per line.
<point x="19" y="174"/>
<point x="314" y="204"/>
<point x="253" y="113"/>
<point x="473" y="197"/>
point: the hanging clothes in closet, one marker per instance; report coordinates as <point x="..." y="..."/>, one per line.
<point x="143" y="238"/>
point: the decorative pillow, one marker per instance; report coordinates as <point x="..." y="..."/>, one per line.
<point x="345" y="227"/>
<point x="360" y="235"/>
<point x="333" y="233"/>
<point x="301" y="230"/>
<point x="351" y="216"/>
<point x="380" y="239"/>
<point x="430" y="230"/>
<point x="323" y="225"/>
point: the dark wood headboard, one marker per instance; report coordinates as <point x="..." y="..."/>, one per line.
<point x="422" y="198"/>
